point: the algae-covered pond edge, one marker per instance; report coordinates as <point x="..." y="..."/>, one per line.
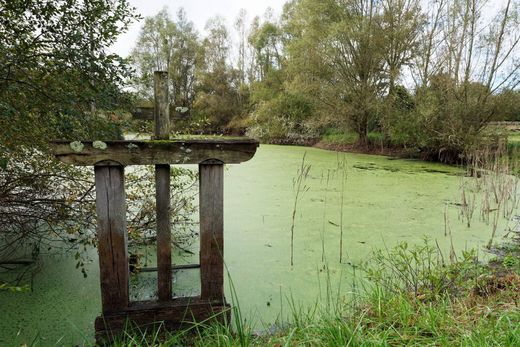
<point x="380" y="205"/>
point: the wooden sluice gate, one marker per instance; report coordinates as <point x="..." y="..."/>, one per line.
<point x="109" y="159"/>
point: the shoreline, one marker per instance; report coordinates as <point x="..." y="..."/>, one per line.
<point x="343" y="147"/>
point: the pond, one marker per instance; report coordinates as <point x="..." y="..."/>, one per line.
<point x="384" y="201"/>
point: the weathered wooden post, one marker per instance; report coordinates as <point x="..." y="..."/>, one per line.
<point x="112" y="235"/>
<point x="109" y="159"/>
<point x="162" y="189"/>
<point x="211" y="210"/>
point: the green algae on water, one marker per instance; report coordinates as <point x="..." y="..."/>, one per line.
<point x="396" y="200"/>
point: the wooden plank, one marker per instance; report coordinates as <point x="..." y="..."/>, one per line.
<point x="178" y="314"/>
<point x="162" y="105"/>
<point x="112" y="237"/>
<point x="162" y="190"/>
<point x="164" y="255"/>
<point x="211" y="209"/>
<point x="156" y="152"/>
<point x="174" y="267"/>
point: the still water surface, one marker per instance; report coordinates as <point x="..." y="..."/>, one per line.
<point x="385" y="201"/>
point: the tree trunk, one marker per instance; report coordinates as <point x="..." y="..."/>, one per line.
<point x="362" y="132"/>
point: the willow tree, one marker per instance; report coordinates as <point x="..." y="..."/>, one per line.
<point x="401" y="22"/>
<point x="218" y="99"/>
<point x="167" y="44"/>
<point x="470" y="53"/>
<point x="342" y="37"/>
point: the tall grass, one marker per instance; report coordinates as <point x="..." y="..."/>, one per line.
<point x="409" y="296"/>
<point x="299" y="189"/>
<point x="492" y="175"/>
<point x="324" y="219"/>
<point x="343" y="168"/>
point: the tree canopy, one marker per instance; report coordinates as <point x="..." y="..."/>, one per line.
<point x="54" y="64"/>
<point x="57" y="79"/>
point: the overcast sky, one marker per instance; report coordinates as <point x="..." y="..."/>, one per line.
<point x="198" y="11"/>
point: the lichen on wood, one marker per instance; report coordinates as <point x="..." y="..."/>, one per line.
<point x="86" y="153"/>
<point x="99" y="145"/>
<point x="76" y="146"/>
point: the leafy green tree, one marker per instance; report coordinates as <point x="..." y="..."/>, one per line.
<point x="54" y="64"/>
<point x="240" y="27"/>
<point x="55" y="71"/>
<point x="437" y="124"/>
<point x="401" y="22"/>
<point x="266" y="42"/>
<point x="171" y="45"/>
<point x="508" y="104"/>
<point x="219" y="98"/>
<point x="466" y="59"/>
<point x="341" y="52"/>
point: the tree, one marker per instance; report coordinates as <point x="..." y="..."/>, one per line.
<point x="467" y="58"/>
<point x="508" y="104"/>
<point x="400" y="23"/>
<point x="240" y="27"/>
<point x="167" y="45"/>
<point x="346" y="42"/>
<point x="218" y="86"/>
<point x="266" y="42"/>
<point x="54" y="66"/>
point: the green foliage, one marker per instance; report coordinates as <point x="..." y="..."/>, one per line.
<point x="171" y="45"/>
<point x="285" y="114"/>
<point x="450" y="118"/>
<point x="217" y="101"/>
<point x="346" y="54"/>
<point x="265" y="40"/>
<point x="54" y="65"/>
<point x="396" y="68"/>
<point x="48" y="206"/>
<point x="336" y="136"/>
<point x="43" y="202"/>
<point x="510" y="261"/>
<point x="210" y="93"/>
<point x="381" y="315"/>
<point x="419" y="271"/>
<point x="220" y="96"/>
<point x="508" y="105"/>
<point x="53" y="70"/>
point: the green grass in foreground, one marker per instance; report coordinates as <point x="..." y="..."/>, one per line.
<point x="412" y="298"/>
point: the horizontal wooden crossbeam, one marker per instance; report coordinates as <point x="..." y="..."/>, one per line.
<point x="153" y="152"/>
<point x="174" y="267"/>
<point x="177" y="314"/>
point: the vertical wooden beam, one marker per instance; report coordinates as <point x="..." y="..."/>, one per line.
<point x="162" y="190"/>
<point x="162" y="105"/>
<point x="112" y="237"/>
<point x="211" y="209"/>
<point x="164" y="255"/>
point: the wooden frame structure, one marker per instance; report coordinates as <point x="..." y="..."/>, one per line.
<point x="109" y="159"/>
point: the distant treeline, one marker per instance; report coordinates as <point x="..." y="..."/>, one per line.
<point x="427" y="76"/>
